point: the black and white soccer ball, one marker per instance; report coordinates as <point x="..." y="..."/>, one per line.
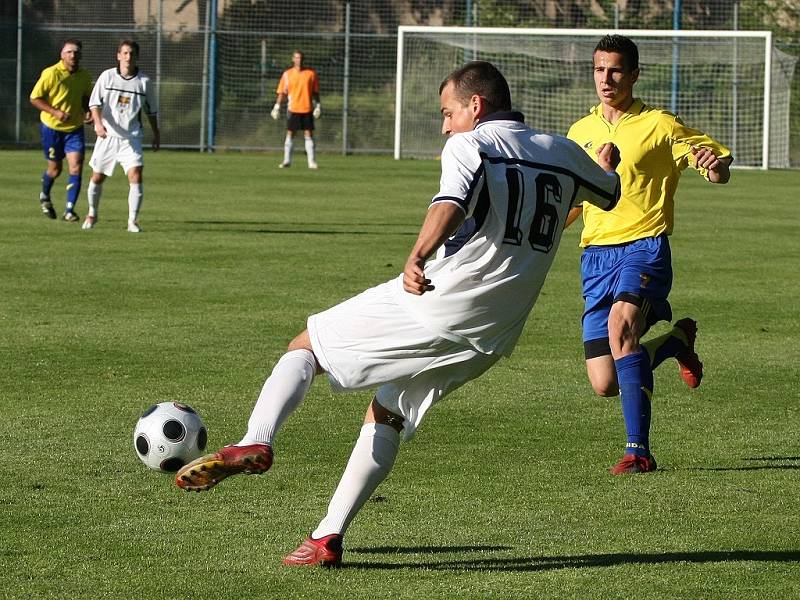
<point x="169" y="435"/>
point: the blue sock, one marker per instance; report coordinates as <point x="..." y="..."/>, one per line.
<point x="663" y="347"/>
<point x="635" y="377"/>
<point x="47" y="184"/>
<point x="73" y="189"/>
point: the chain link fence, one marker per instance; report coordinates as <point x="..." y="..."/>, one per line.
<point x="217" y="62"/>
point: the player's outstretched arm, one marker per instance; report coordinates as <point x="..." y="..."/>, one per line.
<point x="440" y="223"/>
<point x="718" y="168"/>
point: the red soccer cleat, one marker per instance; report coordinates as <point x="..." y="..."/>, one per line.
<point x="325" y="552"/>
<point x="207" y="471"/>
<point x="690" y="366"/>
<point x="632" y="463"/>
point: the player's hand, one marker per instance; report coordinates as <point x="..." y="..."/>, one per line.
<point x="414" y="281"/>
<point x="87" y="117"/>
<point x="705" y="158"/>
<point x="100" y="130"/>
<point x="317" y="111"/>
<point x="61" y="116"/>
<point x="276" y="111"/>
<point x="608" y="157"/>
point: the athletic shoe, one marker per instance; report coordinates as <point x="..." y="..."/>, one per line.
<point x="71" y="216"/>
<point x="89" y="222"/>
<point x="690" y="366"/>
<point x="133" y="227"/>
<point x="284" y="165"/>
<point x="313" y="165"/>
<point x="47" y="206"/>
<point x="207" y="471"/>
<point x="325" y="552"/>
<point x="632" y="463"/>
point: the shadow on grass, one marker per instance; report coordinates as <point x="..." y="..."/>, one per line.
<point x="759" y="467"/>
<point x="551" y="563"/>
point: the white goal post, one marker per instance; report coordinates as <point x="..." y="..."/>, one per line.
<point x="731" y="84"/>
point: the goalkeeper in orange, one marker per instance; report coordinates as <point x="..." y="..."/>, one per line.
<point x="300" y="85"/>
<point x="626" y="264"/>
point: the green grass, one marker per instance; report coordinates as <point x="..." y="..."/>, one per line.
<point x="505" y="490"/>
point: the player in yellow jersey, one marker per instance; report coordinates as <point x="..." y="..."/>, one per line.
<point x="626" y="265"/>
<point x="300" y="85"/>
<point x="62" y="96"/>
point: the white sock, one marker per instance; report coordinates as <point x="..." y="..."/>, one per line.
<point x="287" y="149"/>
<point x="135" y="194"/>
<point x="372" y="459"/>
<point x="310" y="150"/>
<point x="282" y="393"/>
<point x="93" y="193"/>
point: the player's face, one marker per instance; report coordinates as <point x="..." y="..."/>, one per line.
<point x="126" y="57"/>
<point x="71" y="56"/>
<point x="613" y="81"/>
<point x="457" y="117"/>
<point x="297" y="60"/>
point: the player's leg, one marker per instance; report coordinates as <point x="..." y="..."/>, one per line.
<point x="94" y="192"/>
<point x="281" y="394"/>
<point x="635" y="377"/>
<point x="74" y="148"/>
<point x="442" y="367"/>
<point x="678" y="343"/>
<point x="53" y="148"/>
<point x="308" y="137"/>
<point x="135" y="197"/>
<point x="130" y="156"/>
<point x="370" y="462"/>
<point x="288" y="142"/>
<point x="643" y="280"/>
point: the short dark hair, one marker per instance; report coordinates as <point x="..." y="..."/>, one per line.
<point x="133" y="45"/>
<point x="621" y="44"/>
<point x="74" y="41"/>
<point x="483" y="79"/>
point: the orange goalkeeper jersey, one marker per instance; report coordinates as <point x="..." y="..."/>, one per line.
<point x="300" y="85"/>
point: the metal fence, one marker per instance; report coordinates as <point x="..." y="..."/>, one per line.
<point x="217" y="62"/>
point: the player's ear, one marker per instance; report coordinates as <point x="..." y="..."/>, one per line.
<point x="635" y="75"/>
<point x="477" y="106"/>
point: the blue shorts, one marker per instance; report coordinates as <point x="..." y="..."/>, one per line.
<point x="636" y="270"/>
<point x="57" y="144"/>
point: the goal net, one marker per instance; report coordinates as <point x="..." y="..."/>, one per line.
<point x="730" y="84"/>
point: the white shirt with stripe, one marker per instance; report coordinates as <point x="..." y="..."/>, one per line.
<point x="122" y="100"/>
<point x="516" y="186"/>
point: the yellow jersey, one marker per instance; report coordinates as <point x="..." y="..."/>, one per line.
<point x="300" y="86"/>
<point x="65" y="91"/>
<point x="655" y="147"/>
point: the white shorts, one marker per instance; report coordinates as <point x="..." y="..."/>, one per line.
<point x="370" y="340"/>
<point x="110" y="150"/>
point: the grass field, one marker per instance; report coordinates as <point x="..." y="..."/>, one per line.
<point x="505" y="490"/>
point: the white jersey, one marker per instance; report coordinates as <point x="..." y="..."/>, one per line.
<point x="516" y="186"/>
<point x="122" y="100"/>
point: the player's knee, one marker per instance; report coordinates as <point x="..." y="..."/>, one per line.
<point x="606" y="389"/>
<point x="378" y="414"/>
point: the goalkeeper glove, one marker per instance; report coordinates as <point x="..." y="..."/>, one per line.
<point x="317" y="110"/>
<point x="276" y="111"/>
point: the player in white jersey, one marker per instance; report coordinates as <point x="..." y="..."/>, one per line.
<point x="118" y="100"/>
<point x="496" y="222"/>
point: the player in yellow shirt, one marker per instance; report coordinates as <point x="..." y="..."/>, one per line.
<point x="62" y="96"/>
<point x="626" y="265"/>
<point x="300" y="85"/>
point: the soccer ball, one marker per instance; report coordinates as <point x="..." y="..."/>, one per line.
<point x="169" y="435"/>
